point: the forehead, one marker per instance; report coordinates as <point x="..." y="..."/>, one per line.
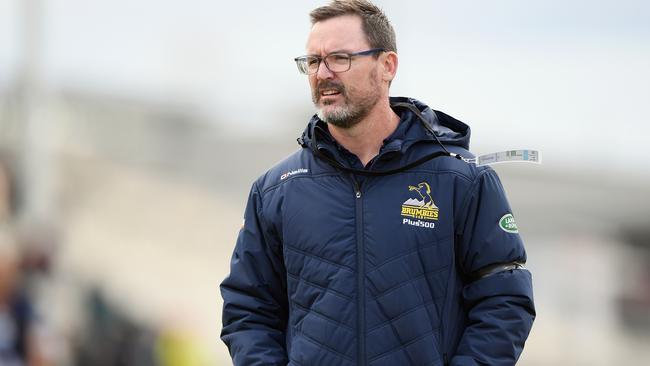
<point x="337" y="34"/>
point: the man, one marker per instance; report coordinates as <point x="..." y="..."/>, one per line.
<point x="376" y="243"/>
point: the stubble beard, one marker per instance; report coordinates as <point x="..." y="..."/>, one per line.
<point x="356" y="104"/>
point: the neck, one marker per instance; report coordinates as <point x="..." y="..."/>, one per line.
<point x="366" y="137"/>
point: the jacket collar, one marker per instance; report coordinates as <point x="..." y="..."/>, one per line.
<point x="409" y="132"/>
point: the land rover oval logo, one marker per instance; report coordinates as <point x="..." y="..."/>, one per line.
<point x="507" y="223"/>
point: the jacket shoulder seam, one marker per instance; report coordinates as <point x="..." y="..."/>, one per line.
<point x="304" y="176"/>
<point x="446" y="171"/>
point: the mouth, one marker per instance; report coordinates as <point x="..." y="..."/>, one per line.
<point x="329" y="96"/>
<point x="329" y="92"/>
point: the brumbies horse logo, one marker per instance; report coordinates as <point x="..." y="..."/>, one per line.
<point x="424" y="191"/>
<point x="423" y="208"/>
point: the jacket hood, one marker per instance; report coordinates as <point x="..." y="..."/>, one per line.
<point x="448" y="130"/>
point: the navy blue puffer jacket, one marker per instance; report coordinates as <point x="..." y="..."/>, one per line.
<point x="336" y="268"/>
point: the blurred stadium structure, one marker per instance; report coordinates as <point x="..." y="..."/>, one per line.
<point x="127" y="208"/>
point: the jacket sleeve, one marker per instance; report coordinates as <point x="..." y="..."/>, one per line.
<point x="498" y="299"/>
<point x="254" y="294"/>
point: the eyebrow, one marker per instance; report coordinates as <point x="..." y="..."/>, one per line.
<point x="335" y="51"/>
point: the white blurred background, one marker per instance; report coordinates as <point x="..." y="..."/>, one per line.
<point x="133" y="130"/>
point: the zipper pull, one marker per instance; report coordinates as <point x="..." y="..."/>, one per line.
<point x="357" y="188"/>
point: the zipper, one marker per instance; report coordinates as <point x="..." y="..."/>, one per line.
<point x="361" y="285"/>
<point x="382" y="153"/>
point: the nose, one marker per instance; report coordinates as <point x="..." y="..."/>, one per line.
<point x="324" y="72"/>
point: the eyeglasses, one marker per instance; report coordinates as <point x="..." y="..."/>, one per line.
<point x="335" y="62"/>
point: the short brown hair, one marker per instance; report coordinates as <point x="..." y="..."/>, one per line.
<point x="379" y="32"/>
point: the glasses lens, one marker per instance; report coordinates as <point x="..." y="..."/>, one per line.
<point x="338" y="62"/>
<point x="302" y="65"/>
<point x="307" y="64"/>
<point x="312" y="64"/>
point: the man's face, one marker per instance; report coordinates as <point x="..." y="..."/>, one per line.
<point x="343" y="99"/>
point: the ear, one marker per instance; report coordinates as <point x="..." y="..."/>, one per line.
<point x="389" y="65"/>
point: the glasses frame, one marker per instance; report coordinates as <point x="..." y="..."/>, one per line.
<point x="321" y="60"/>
